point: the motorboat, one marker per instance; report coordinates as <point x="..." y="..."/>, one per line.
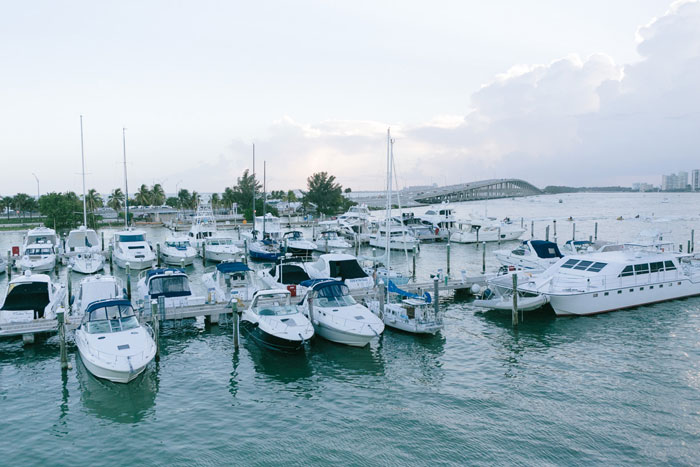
<point x="639" y="274"/>
<point x="441" y="217"/>
<point x="221" y="248"/>
<point x="530" y="254"/>
<point x="83" y="250"/>
<point x="341" y="267"/>
<point x="408" y="312"/>
<point x="421" y="230"/>
<point x="94" y="288"/>
<point x="37" y="257"/>
<point x="287" y="275"/>
<point x="172" y="284"/>
<point x="379" y="272"/>
<point x="41" y="236"/>
<point x="203" y="225"/>
<point x="399" y="238"/>
<point x="264" y="250"/>
<point x="498" y="293"/>
<point x="297" y="245"/>
<point x="231" y="280"/>
<point x="329" y="240"/>
<point x="112" y="343"/>
<point x="355" y="224"/>
<point x="337" y="317"/>
<point x="31" y="297"/>
<point x="273" y="322"/>
<point x="130" y="246"/>
<point x="177" y="251"/>
<point x="484" y="230"/>
<point x="268" y="248"/>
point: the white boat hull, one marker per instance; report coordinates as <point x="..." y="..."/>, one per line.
<point x="87" y="265"/>
<point x="135" y="264"/>
<point x="39" y="265"/>
<point x="485" y="236"/>
<point x="177" y="260"/>
<point x="111" y="375"/>
<point x="506" y="303"/>
<point x="340" y="336"/>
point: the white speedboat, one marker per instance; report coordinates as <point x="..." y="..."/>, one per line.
<point x="399" y="238"/>
<point x="297" y="244"/>
<point x="84" y="251"/>
<point x="130" y="246"/>
<point x="287" y="275"/>
<point x="484" y="230"/>
<point x="341" y="267"/>
<point x="600" y="282"/>
<point x="171" y="283"/>
<point x="273" y="322"/>
<point x="177" y="251"/>
<point x="41" y="236"/>
<point x="498" y="293"/>
<point x="531" y="254"/>
<point x="37" y="257"/>
<point x="94" y="288"/>
<point x="31" y="297"/>
<point x="112" y="343"/>
<point x="221" y="248"/>
<point x="231" y="280"/>
<point x="408" y="312"/>
<point x="337" y="317"/>
<point x="329" y="241"/>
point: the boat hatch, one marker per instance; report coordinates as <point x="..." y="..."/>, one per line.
<point x="123" y="347"/>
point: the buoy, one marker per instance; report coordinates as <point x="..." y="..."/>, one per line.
<point x="475" y="289"/>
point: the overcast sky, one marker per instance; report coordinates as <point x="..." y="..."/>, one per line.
<point x="555" y="92"/>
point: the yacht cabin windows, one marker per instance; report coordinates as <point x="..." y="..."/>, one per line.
<point x="646" y="268"/>
<point x="584" y="265"/>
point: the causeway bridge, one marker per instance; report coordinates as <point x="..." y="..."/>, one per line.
<point x="472" y="191"/>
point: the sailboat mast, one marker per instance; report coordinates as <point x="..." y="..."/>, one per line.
<point x="253" y="188"/>
<point x="388" y="198"/>
<point x="126" y="183"/>
<point x="264" y="193"/>
<point x="82" y="156"/>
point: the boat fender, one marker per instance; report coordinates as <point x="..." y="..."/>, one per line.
<point x="487" y="293"/>
<point x="476" y="288"/>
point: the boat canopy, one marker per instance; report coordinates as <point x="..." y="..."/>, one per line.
<point x="236" y="266"/>
<point x="112" y="302"/>
<point x="82" y="238"/>
<point x="394" y="289"/>
<point x="347" y="269"/>
<point x="153" y="272"/>
<point x="327" y="288"/>
<point x="545" y="249"/>
<point x="27" y="296"/>
<point x="291" y="273"/>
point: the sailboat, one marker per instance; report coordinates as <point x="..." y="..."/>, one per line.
<point x="82" y="245"/>
<point x="267" y="248"/>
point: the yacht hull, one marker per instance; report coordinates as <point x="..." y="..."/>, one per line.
<point x="135" y="263"/>
<point x="339" y="336"/>
<point x="252" y="331"/>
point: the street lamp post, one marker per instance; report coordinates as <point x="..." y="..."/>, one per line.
<point x="38" y="193"/>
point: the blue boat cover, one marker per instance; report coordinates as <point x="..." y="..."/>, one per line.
<point x="314" y="282"/>
<point x="232" y="267"/>
<point x="545" y="249"/>
<point x="394" y="289"/>
<point x="108" y="302"/>
<point x="153" y="272"/>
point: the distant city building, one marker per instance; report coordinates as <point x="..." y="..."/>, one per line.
<point x="640" y="186"/>
<point x="675" y="182"/>
<point x="695" y="180"/>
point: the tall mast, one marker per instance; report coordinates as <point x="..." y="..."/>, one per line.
<point x="264" y="193"/>
<point x="388" y="198"/>
<point x="253" y="188"/>
<point x="126" y="183"/>
<point x="82" y="155"/>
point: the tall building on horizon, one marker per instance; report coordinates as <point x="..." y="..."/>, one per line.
<point x="695" y="180"/>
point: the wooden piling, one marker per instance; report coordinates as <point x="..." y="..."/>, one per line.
<point x="573" y="232"/>
<point x="111" y="266"/>
<point x="103" y="240"/>
<point x="692" y="241"/>
<point x="532" y="229"/>
<point x="155" y="319"/>
<point x="436" y="298"/>
<point x="128" y="281"/>
<point x="499" y="236"/>
<point x="381" y="301"/>
<point x="413" y="275"/>
<point x="483" y="259"/>
<point x="310" y="301"/>
<point x="204" y="254"/>
<point x="60" y="315"/>
<point x="515" y="300"/>
<point x="158" y="254"/>
<point x="69" y="286"/>
<point x="448" y="255"/>
<point x="554" y="225"/>
<point x="236" y="321"/>
<point x="9" y="266"/>
<point x="595" y="232"/>
<point x="546" y="233"/>
<point x="522" y="222"/>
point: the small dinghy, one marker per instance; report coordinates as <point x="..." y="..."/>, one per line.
<point x="505" y="302"/>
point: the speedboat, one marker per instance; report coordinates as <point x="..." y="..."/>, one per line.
<point x="130" y="246"/>
<point x="231" y="280"/>
<point x="203" y="225"/>
<point x="421" y="230"/>
<point x="531" y="254"/>
<point x="273" y="322"/>
<point x="337" y="317"/>
<point x="297" y="244"/>
<point x="408" y="312"/>
<point x="171" y="283"/>
<point x="484" y="230"/>
<point x="287" y="275"/>
<point x="341" y="267"/>
<point x="94" y="288"/>
<point x="37" y="257"/>
<point x="498" y="293"/>
<point x="331" y="241"/>
<point x="112" y="343"/>
<point x="265" y="250"/>
<point x="220" y="248"/>
<point x="83" y="251"/>
<point x="399" y="238"/>
<point x="177" y="251"/>
<point x="600" y="282"/>
<point x="31" y="297"/>
<point x="41" y="236"/>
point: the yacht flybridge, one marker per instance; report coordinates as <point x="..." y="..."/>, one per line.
<point x="600" y="282"/>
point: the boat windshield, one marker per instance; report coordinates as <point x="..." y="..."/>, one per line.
<point x="335" y="296"/>
<point x="220" y="241"/>
<point x="169" y="286"/>
<point x="180" y="245"/>
<point x="112" y="318"/>
<point x="131" y="238"/>
<point x="38" y="251"/>
<point x="275" y="309"/>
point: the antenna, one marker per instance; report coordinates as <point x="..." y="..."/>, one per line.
<point x="82" y="156"/>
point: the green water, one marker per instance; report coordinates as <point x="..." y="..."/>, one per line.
<point x="614" y="389"/>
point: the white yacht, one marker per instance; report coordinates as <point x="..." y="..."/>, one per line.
<point x="441" y="218"/>
<point x="337" y="317"/>
<point x="297" y="244"/>
<point x="285" y="274"/>
<point x="112" y="343"/>
<point x="341" y="267"/>
<point x="41" y="236"/>
<point x="84" y="251"/>
<point x="355" y="223"/>
<point x="171" y="283"/>
<point x="408" y="312"/>
<point x="600" y="282"/>
<point x="31" y="297"/>
<point x="231" y="280"/>
<point x="484" y="230"/>
<point x="203" y="225"/>
<point x="37" y="257"/>
<point x="221" y="248"/>
<point x="130" y="246"/>
<point x="329" y="240"/>
<point x="399" y="238"/>
<point x="273" y="322"/>
<point x="177" y="251"/>
<point x="94" y="288"/>
<point x="530" y="254"/>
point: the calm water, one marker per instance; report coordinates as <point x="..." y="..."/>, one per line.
<point x="618" y="388"/>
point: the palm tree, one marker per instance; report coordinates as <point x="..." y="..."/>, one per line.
<point x="116" y="199"/>
<point x="183" y="197"/>
<point x="228" y="198"/>
<point x="215" y="200"/>
<point x="93" y="200"/>
<point x="5" y="204"/>
<point x="143" y="196"/>
<point x="157" y="195"/>
<point x="194" y="200"/>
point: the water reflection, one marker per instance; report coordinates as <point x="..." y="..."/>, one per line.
<point x="279" y="366"/>
<point x="343" y="362"/>
<point x="122" y="403"/>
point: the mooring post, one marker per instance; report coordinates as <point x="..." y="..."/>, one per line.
<point x="522" y="222"/>
<point x="680" y="248"/>
<point x="448" y="255"/>
<point x="414" y="263"/>
<point x="436" y="299"/>
<point x="692" y="241"/>
<point x="546" y="233"/>
<point x="573" y="232"/>
<point x="103" y="240"/>
<point x="60" y="315"/>
<point x="245" y="249"/>
<point x="554" y="223"/>
<point x="204" y="254"/>
<point x="595" y="232"/>
<point x="688" y="250"/>
<point x="483" y="259"/>
<point x="111" y="266"/>
<point x="236" y="330"/>
<point x="532" y="229"/>
<point x="590" y="238"/>
<point x="515" y="300"/>
<point x="9" y="265"/>
<point x="311" y="308"/>
<point x="128" y="281"/>
<point x="381" y="301"/>
<point x="158" y="254"/>
<point x="155" y="319"/>
<point x="69" y="286"/>
<point x="499" y="236"/>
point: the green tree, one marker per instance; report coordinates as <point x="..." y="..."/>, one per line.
<point x="172" y="201"/>
<point x="116" y="199"/>
<point x="291" y="196"/>
<point x="243" y="193"/>
<point x="62" y="210"/>
<point x="21" y="203"/>
<point x="278" y="194"/>
<point x="157" y="195"/>
<point x="184" y="198"/>
<point x="5" y="205"/>
<point x="143" y="196"/>
<point x="228" y="199"/>
<point x="324" y="193"/>
<point x="194" y="200"/>
<point x="215" y="200"/>
<point x="93" y="200"/>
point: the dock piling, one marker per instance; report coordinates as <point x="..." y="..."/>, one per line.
<point x="448" y="255"/>
<point x="69" y="286"/>
<point x="413" y="275"/>
<point x="311" y="308"/>
<point x="546" y="233"/>
<point x="381" y="301"/>
<point x="483" y="259"/>
<point x="60" y="315"/>
<point x="595" y="232"/>
<point x="204" y="254"/>
<point x="9" y="266"/>
<point x="573" y="232"/>
<point x="158" y="254"/>
<point x="236" y="319"/>
<point x="155" y="319"/>
<point x="692" y="241"/>
<point x="554" y="225"/>
<point x="436" y="299"/>
<point x="499" y="236"/>
<point x="103" y="240"/>
<point x="128" y="281"/>
<point x="532" y="229"/>
<point x="111" y="266"/>
<point x="515" y="300"/>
